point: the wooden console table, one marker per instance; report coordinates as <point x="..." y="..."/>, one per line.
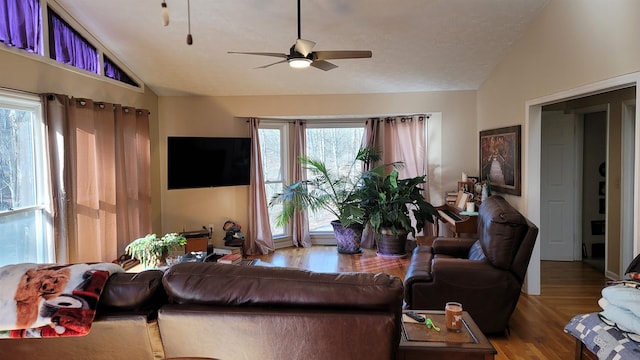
<point x="419" y="342"/>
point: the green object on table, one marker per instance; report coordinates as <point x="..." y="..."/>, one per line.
<point x="430" y="324"/>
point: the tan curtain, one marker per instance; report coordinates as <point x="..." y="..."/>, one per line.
<point x="133" y="181"/>
<point x="300" y="223"/>
<point x="85" y="169"/>
<point x="258" y="240"/>
<point x="404" y="140"/>
<point x="370" y="139"/>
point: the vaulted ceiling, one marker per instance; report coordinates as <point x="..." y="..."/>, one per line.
<point x="417" y="45"/>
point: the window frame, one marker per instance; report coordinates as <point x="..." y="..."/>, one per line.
<point x="317" y="237"/>
<point x="285" y="151"/>
<point x="327" y="237"/>
<point x="32" y="103"/>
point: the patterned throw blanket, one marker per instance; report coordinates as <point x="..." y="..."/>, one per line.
<point x="50" y="300"/>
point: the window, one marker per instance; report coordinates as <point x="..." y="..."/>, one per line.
<point x="22" y="25"/>
<point x="69" y="47"/>
<point x="335" y="143"/>
<point x="24" y="196"/>
<point x="113" y="71"/>
<point x="273" y="140"/>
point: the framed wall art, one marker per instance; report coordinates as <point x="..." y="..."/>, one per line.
<point x="500" y="154"/>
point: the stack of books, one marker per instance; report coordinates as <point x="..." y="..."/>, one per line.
<point x="227" y="254"/>
<point x="230" y="259"/>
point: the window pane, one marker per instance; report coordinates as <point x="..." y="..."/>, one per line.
<point x="24" y="197"/>
<point x="337" y="148"/>
<point x="272" y="168"/>
<point x="113" y="71"/>
<point x="272" y="189"/>
<point x="270" y="148"/>
<point x="17" y="160"/>
<point x="22" y="238"/>
<point x="21" y="24"/>
<point x="69" y="47"/>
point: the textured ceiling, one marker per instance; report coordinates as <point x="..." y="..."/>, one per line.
<point x="417" y="45"/>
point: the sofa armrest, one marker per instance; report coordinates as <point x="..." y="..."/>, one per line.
<point x="132" y="292"/>
<point x="468" y="273"/>
<point x="454" y="247"/>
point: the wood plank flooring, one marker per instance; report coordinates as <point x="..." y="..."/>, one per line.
<point x="567" y="289"/>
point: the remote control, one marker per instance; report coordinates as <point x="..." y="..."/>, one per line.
<point x="414" y="316"/>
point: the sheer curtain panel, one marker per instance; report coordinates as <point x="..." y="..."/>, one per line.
<point x="300" y="221"/>
<point x="259" y="240"/>
<point x="404" y="139"/>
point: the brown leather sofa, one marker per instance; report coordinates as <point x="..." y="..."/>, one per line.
<point x="239" y="312"/>
<point x="124" y="327"/>
<point x="484" y="274"/>
<point x="223" y="311"/>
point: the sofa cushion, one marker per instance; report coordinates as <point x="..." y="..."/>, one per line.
<point x="132" y="291"/>
<point x="221" y="284"/>
<point x="501" y="229"/>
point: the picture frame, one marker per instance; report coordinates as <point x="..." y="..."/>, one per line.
<point x="500" y="159"/>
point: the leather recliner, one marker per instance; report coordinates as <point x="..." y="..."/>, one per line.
<point x="484" y="274"/>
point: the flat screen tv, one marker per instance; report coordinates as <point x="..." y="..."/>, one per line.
<point x="197" y="162"/>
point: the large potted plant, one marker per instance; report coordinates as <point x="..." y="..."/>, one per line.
<point x="389" y="202"/>
<point x="152" y="251"/>
<point x="341" y="195"/>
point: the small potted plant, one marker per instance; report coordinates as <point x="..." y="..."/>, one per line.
<point x="389" y="201"/>
<point x="152" y="250"/>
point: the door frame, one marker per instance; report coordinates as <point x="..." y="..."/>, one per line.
<point x="629" y="128"/>
<point x="580" y="115"/>
<point x="531" y="155"/>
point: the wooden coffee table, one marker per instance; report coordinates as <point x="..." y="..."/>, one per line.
<point x="419" y="342"/>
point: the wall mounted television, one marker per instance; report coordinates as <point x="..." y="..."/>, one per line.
<point x="198" y="162"/>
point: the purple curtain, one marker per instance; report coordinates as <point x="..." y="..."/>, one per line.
<point x="68" y="47"/>
<point x="21" y="24"/>
<point x="113" y="71"/>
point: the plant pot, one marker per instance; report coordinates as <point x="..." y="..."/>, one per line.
<point x="390" y="245"/>
<point x="348" y="238"/>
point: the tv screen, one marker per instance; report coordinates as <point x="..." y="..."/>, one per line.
<point x="197" y="162"/>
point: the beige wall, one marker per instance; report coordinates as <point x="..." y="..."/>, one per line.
<point x="24" y="73"/>
<point x="225" y="116"/>
<point x="571" y="44"/>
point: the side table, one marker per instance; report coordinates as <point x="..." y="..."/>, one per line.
<point x="420" y="342"/>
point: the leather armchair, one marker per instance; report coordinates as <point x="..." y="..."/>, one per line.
<point x="484" y="274"/>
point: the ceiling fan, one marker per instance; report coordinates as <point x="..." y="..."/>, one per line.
<point x="301" y="56"/>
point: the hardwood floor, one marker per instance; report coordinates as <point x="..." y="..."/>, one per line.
<point x="567" y="289"/>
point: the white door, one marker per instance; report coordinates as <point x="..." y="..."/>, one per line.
<point x="558" y="185"/>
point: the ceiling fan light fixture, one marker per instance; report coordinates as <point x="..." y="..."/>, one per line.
<point x="300" y="63"/>
<point x="165" y="14"/>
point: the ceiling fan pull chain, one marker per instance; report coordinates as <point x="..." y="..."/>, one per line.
<point x="189" y="37"/>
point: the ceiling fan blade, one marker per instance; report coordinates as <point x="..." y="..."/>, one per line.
<point x="275" y="63"/>
<point x="304" y="46"/>
<point x="341" y="54"/>
<point x="323" y="65"/>
<point x="280" y="55"/>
